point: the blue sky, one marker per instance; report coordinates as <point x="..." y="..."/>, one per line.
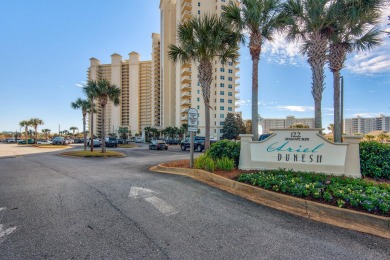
<point x="46" y="45"/>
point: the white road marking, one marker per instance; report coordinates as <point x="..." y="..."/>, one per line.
<point x="138" y="191"/>
<point x="6" y="232"/>
<point x="161" y="205"/>
<point x="2" y="209"/>
<point x="147" y="195"/>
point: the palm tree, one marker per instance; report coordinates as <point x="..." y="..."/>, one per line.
<point x="46" y="131"/>
<point x="73" y="129"/>
<point x="25" y="124"/>
<point x="34" y="122"/>
<point x="104" y="92"/>
<point x="89" y="91"/>
<point x="349" y="34"/>
<point x="310" y="21"/>
<point x="202" y="40"/>
<point x="147" y="133"/>
<point x="123" y="131"/>
<point x="85" y="107"/>
<point x="260" y="19"/>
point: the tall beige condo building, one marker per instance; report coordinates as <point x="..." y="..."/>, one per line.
<point x="180" y="84"/>
<point x="157" y="93"/>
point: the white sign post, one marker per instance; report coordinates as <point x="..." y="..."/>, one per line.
<point x="192" y="128"/>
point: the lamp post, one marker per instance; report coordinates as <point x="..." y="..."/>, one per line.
<point x="342" y="107"/>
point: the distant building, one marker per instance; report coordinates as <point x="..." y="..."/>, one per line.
<point x="363" y="125"/>
<point x="270" y="123"/>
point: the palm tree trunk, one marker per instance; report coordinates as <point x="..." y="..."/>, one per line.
<point x="85" y="134"/>
<point x="36" y="134"/>
<point x="205" y="76"/>
<point x="91" y="134"/>
<point x="207" y="125"/>
<point x="255" y="97"/>
<point x="103" y="129"/>
<point x="337" y="104"/>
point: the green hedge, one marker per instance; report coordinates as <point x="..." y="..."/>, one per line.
<point x="225" y="148"/>
<point x="375" y="160"/>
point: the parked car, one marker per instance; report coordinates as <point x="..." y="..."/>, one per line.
<point x="59" y="140"/>
<point x="198" y="143"/>
<point x="172" y="141"/>
<point x="29" y="141"/>
<point x="158" y="145"/>
<point x="10" y="140"/>
<point x="44" y="142"/>
<point x="111" y="142"/>
<point x="138" y="139"/>
<point x="96" y="143"/>
<point x="121" y="141"/>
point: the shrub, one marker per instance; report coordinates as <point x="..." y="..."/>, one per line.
<point x="375" y="160"/>
<point x="225" y="148"/>
<point x="225" y="164"/>
<point x="204" y="162"/>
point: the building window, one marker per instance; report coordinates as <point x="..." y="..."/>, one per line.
<point x="230" y="86"/>
<point x="222" y="69"/>
<point x="222" y="85"/>
<point x="222" y="100"/>
<point x="221" y="115"/>
<point x="198" y="11"/>
<point x="230" y="101"/>
<point x="230" y="63"/>
<point x="198" y="83"/>
<point x="230" y="78"/>
<point x="222" y="123"/>
<point x="198" y="91"/>
<point x="230" y="71"/>
<point x="230" y="109"/>
<point x="222" y="77"/>
<point x="220" y="130"/>
<point x="221" y="108"/>
<point x="198" y="99"/>
<point x="198" y="3"/>
<point x="222" y="93"/>
<point x="230" y="94"/>
<point x="198" y="107"/>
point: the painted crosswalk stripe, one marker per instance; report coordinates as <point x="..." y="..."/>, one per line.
<point x="161" y="205"/>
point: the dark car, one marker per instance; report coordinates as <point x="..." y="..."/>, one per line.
<point x="198" y="143"/>
<point x="158" y="145"/>
<point x="96" y="143"/>
<point x="111" y="142"/>
<point x="172" y="141"/>
<point x="59" y="140"/>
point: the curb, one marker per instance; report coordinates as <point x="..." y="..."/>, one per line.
<point x="353" y="220"/>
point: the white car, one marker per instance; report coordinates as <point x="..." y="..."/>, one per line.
<point x="44" y="142"/>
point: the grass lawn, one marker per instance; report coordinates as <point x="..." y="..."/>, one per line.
<point x="96" y="153"/>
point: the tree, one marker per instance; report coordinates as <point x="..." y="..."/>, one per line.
<point x="299" y="125"/>
<point x="147" y="133"/>
<point x="202" y="40"/>
<point x="369" y="137"/>
<point x="34" y="122"/>
<point x="73" y="129"/>
<point x="310" y="21"/>
<point x="184" y="128"/>
<point x="123" y="131"/>
<point x="381" y="137"/>
<point x="104" y="92"/>
<point x="248" y="126"/>
<point x="25" y="124"/>
<point x="331" y="127"/>
<point x="46" y="131"/>
<point x="260" y="19"/>
<point x="89" y="91"/>
<point x="349" y="33"/>
<point x="85" y="107"/>
<point x="233" y="126"/>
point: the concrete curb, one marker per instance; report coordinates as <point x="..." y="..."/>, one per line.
<point x="354" y="220"/>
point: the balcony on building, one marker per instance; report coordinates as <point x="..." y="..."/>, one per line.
<point x="185" y="103"/>
<point x="185" y="87"/>
<point x="185" y="80"/>
<point x="185" y="94"/>
<point x="186" y="15"/>
<point x="237" y="91"/>
<point x="186" y="6"/>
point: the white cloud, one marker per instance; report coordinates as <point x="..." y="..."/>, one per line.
<point x="243" y="102"/>
<point x="282" y="52"/>
<point x="295" y="108"/>
<point x="80" y="85"/>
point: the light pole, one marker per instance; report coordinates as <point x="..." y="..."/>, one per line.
<point x="342" y="107"/>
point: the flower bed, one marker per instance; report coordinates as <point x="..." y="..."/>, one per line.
<point x="357" y="194"/>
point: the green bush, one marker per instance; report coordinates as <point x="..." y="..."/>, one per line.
<point x="225" y="164"/>
<point x="225" y="148"/>
<point x="338" y="191"/>
<point x="375" y="160"/>
<point x="204" y="162"/>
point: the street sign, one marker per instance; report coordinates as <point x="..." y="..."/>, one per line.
<point x="193" y="117"/>
<point x="192" y="129"/>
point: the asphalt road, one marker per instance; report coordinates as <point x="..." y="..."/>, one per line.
<point x="54" y="207"/>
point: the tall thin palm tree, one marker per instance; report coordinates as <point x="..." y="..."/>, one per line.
<point x="34" y="122"/>
<point x="105" y="92"/>
<point x="351" y="31"/>
<point x="73" y="129"/>
<point x="85" y="106"/>
<point x="310" y="21"/>
<point x="25" y="124"/>
<point x="202" y="40"/>
<point x="260" y="19"/>
<point x="89" y="91"/>
<point x="46" y="131"/>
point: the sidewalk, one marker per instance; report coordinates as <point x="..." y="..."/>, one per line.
<point x="14" y="150"/>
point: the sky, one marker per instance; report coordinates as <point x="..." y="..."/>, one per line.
<point x="45" y="47"/>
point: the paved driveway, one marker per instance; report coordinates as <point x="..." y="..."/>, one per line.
<point x="54" y="207"/>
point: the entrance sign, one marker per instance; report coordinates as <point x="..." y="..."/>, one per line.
<point x="193" y="121"/>
<point x="301" y="150"/>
